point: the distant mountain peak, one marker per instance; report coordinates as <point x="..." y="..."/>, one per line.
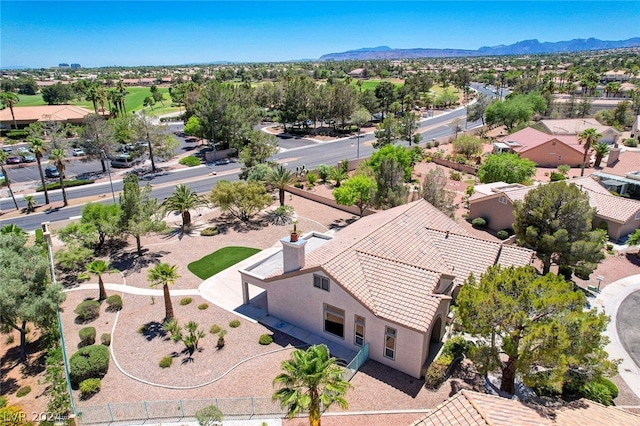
<point x="532" y="46"/>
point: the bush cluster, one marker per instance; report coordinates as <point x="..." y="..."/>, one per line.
<point x="456" y="346"/>
<point x="479" y="223"/>
<point x="87" y="336"/>
<point x="215" y="329"/>
<point x="105" y="339"/>
<point x="555" y="176"/>
<point x="503" y="234"/>
<point x="17" y="134"/>
<point x="435" y="375"/>
<point x="88" y="310"/>
<point x="166" y="362"/>
<point x="210" y="231"/>
<point x="114" y="302"/>
<point x="234" y="323"/>
<point x="203" y="306"/>
<point x="190" y="161"/>
<point x="185" y="301"/>
<point x="23" y="391"/>
<point x="89" y="387"/>
<point x="265" y="339"/>
<point x="90" y="362"/>
<point x="631" y="143"/>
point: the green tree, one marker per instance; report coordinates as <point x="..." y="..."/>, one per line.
<point x="400" y="153"/>
<point x="310" y="377"/>
<point x="99" y="268"/>
<point x="165" y="275"/>
<point x="390" y="189"/>
<point x="9" y="99"/>
<point x="279" y="177"/>
<point x="476" y="111"/>
<point x="26" y="294"/>
<point x="600" y="150"/>
<point x="59" y="159"/>
<point x="193" y="127"/>
<point x="241" y="199"/>
<point x="7" y="181"/>
<point x="261" y="146"/>
<point x="506" y="167"/>
<point x="434" y="191"/>
<point x="589" y="138"/>
<point x="99" y="140"/>
<point x="386" y="94"/>
<point x="408" y="125"/>
<point x="39" y="148"/>
<point x="160" y="142"/>
<point x="104" y="218"/>
<point x="551" y="219"/>
<point x="387" y="132"/>
<point x="539" y="323"/>
<point x="139" y="211"/>
<point x="182" y="200"/>
<point x="358" y="191"/>
<point x="515" y="110"/>
<point x="57" y="94"/>
<point x="360" y="117"/>
<point x="468" y="146"/>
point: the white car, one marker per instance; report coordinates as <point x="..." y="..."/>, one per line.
<point x="78" y="152"/>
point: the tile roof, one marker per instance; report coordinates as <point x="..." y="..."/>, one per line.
<point x="42" y="112"/>
<point x="608" y="206"/>
<point x="530" y="138"/>
<point x="392" y="261"/>
<point x="629" y="161"/>
<point x="474" y="408"/>
<point x="573" y="126"/>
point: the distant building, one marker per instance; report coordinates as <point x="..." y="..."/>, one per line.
<point x="575" y="126"/>
<point x="27" y="115"/>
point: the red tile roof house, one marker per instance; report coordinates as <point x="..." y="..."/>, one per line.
<point x="30" y="114"/>
<point x="575" y="126"/>
<point x="468" y="408"/>
<point x="543" y="149"/>
<point x="386" y="280"/>
<point x="621" y="173"/>
<point x="494" y="203"/>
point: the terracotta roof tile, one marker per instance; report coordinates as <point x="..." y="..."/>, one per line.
<point x="530" y="138"/>
<point x="43" y="112"/>
<point x="609" y="206"/>
<point x="629" y="161"/>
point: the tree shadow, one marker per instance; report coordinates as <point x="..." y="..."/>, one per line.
<point x="226" y="221"/>
<point x="401" y="381"/>
<point x="633" y="258"/>
<point x="132" y="262"/>
<point x="153" y="330"/>
<point x="339" y="224"/>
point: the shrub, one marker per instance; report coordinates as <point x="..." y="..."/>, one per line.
<point x="557" y="176"/>
<point x="436" y="371"/>
<point x="87" y="336"/>
<point x="564" y="169"/>
<point x="210" y="231"/>
<point x="582" y="272"/>
<point x="323" y="172"/>
<point x="203" y="306"/>
<point x="455" y="347"/>
<point x="17" y="134"/>
<point x="142" y="329"/>
<point x="631" y="143"/>
<point x="88" y="363"/>
<point x="312" y="178"/>
<point x="114" y="302"/>
<point x="215" y="329"/>
<point x="298" y="185"/>
<point x="88" y="310"/>
<point x="265" y="339"/>
<point x="479" y="223"/>
<point x="209" y="416"/>
<point x="3" y="401"/>
<point x="10" y="339"/>
<point x="185" y="301"/>
<point x="166" y="362"/>
<point x="23" y="391"/>
<point x="190" y="161"/>
<point x="67" y="184"/>
<point x="455" y="176"/>
<point x="613" y="389"/>
<point x="436" y="143"/>
<point x="105" y="339"/>
<point x="428" y="145"/>
<point x="609" y="247"/>
<point x="282" y="215"/>
<point x="234" y="323"/>
<point x="598" y="392"/>
<point x="502" y="234"/>
<point x="89" y="387"/>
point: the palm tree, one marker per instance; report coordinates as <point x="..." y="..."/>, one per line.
<point x="92" y="95"/>
<point x="57" y="156"/>
<point x="182" y="200"/>
<point x="10" y="99"/>
<point x="7" y="181"/>
<point x="279" y="177"/>
<point x="310" y="377"/>
<point x="588" y="137"/>
<point x="600" y="150"/>
<point x="164" y="274"/>
<point x="98" y="268"/>
<point x="38" y="147"/>
<point x="31" y="203"/>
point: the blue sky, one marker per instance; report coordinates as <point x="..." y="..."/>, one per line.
<point x="101" y="33"/>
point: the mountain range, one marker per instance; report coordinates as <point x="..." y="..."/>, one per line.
<point x="520" y="48"/>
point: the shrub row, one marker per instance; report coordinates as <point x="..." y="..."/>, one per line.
<point x="67" y="184"/>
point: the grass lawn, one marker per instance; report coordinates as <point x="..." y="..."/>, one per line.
<point x="372" y="84"/>
<point x="220" y="260"/>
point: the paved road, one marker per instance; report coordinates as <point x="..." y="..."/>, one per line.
<point x="627" y="322"/>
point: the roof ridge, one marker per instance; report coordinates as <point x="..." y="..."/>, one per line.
<point x="397" y="261"/>
<point x="476" y="407"/>
<point x="501" y="244"/>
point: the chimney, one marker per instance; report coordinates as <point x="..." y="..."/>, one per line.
<point x="614" y="156"/>
<point x="292" y="254"/>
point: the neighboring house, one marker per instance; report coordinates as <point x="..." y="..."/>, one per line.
<point x="575" y="126"/>
<point x="543" y="149"/>
<point x="635" y="129"/>
<point x="386" y="280"/>
<point x="356" y="73"/>
<point x="30" y="114"/>
<point x="471" y="408"/>
<point x="494" y="202"/>
<point x="621" y="173"/>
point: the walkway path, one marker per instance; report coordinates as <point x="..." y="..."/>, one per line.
<point x="610" y="300"/>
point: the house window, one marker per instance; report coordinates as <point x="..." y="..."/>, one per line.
<point x="390" y="343"/>
<point x="637" y="215"/>
<point x="559" y="157"/>
<point x="358" y="338"/>
<point x="321" y="282"/>
<point x="553" y="143"/>
<point x="334" y="320"/>
<point x="502" y="200"/>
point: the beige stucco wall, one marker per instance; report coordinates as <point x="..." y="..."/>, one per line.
<point x="498" y="215"/>
<point x="549" y="155"/>
<point x="296" y="301"/>
<point x="616" y="230"/>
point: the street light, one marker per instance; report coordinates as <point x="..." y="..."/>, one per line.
<point x="113" y="195"/>
<point x="213" y="141"/>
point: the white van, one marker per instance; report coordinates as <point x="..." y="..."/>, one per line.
<point x="123" y="161"/>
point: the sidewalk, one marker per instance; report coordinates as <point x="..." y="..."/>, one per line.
<point x="609" y="301"/>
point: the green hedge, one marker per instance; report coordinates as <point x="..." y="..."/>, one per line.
<point x="90" y="362"/>
<point x="67" y="184"/>
<point x="190" y="161"/>
<point x="265" y="339"/>
<point x="17" y="134"/>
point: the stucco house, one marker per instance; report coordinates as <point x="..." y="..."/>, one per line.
<point x="30" y="114"/>
<point x="575" y="126"/>
<point x="386" y="280"/>
<point x="543" y="149"/>
<point x="635" y="128"/>
<point x="495" y="203"/>
<point x="621" y="173"/>
<point x="471" y="408"/>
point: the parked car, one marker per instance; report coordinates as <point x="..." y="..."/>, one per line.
<point x="123" y="161"/>
<point x="51" y="172"/>
<point x="23" y="150"/>
<point x="78" y="152"/>
<point x="7" y="149"/>
<point x="13" y="160"/>
<point x="28" y="158"/>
